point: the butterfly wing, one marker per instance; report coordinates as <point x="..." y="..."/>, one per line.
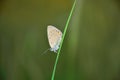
<point x="54" y="36"/>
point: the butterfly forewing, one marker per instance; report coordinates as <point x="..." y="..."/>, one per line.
<point x="54" y="35"/>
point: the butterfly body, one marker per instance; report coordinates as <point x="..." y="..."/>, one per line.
<point x="54" y="37"/>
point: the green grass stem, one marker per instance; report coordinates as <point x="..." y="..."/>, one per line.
<point x="66" y="26"/>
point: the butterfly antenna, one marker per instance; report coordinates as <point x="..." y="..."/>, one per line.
<point x="45" y="51"/>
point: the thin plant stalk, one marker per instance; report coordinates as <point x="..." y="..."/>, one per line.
<point x="66" y="26"/>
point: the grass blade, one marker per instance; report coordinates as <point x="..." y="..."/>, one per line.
<point x="66" y="26"/>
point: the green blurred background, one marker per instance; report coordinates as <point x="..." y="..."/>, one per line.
<point x="90" y="51"/>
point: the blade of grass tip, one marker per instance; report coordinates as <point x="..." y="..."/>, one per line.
<point x="66" y="26"/>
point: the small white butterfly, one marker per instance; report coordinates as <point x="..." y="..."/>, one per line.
<point x="54" y="37"/>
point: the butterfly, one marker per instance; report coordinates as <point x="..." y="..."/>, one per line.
<point x="54" y="37"/>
